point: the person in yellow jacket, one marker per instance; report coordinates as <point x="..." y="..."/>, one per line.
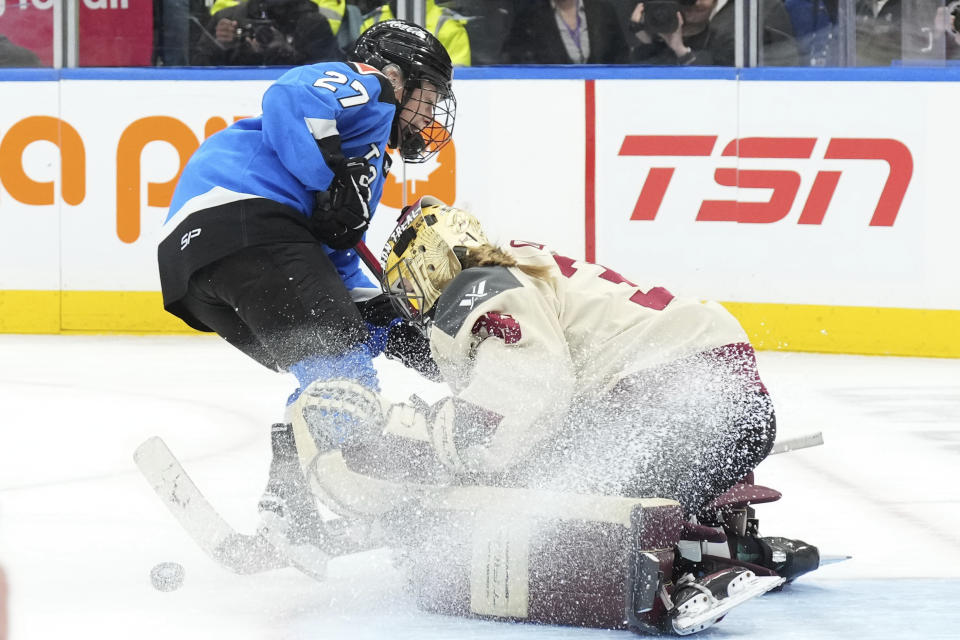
<point x="332" y="10"/>
<point x="448" y="26"/>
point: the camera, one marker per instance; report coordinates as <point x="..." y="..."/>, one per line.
<point x="953" y="9"/>
<point x="660" y="16"/>
<point x="263" y="31"/>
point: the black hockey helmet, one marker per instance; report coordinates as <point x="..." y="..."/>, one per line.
<point x="422" y="59"/>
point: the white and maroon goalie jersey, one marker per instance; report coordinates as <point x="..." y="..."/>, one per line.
<point x="528" y="347"/>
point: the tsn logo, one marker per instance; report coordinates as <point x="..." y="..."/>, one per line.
<point x="785" y="184"/>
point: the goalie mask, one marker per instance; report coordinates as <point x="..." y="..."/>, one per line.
<point x="422" y="255"/>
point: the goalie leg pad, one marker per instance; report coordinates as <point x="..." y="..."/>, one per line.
<point x="539" y="556"/>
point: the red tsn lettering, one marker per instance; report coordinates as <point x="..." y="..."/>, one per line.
<point x="770" y="147"/>
<point x="655" y="186"/>
<point x="819" y="199"/>
<point x="895" y="154"/>
<point x="668" y="146"/>
<point x="785" y="184"/>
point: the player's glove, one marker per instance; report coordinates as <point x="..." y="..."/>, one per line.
<point x="342" y="213"/>
<point x="398" y="338"/>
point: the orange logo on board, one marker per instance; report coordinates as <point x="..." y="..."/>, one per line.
<point x="73" y="161"/>
<point x="436" y="177"/>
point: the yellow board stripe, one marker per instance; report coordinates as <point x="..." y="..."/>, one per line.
<point x="786" y="327"/>
<point x="861" y="330"/>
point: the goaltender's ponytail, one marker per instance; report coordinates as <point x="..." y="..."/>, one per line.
<point x="487" y="255"/>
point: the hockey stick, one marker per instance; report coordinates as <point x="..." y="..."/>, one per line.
<point x="370" y="260"/>
<point x="800" y="442"/>
<point x="243" y="553"/>
<point x="238" y="552"/>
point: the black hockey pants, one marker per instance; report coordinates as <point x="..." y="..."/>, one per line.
<point x="278" y="303"/>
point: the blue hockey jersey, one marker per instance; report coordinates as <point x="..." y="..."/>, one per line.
<point x="276" y="155"/>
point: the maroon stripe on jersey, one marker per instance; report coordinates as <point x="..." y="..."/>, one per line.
<point x="590" y="173"/>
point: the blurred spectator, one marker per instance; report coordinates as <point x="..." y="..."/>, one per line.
<point x="487" y="25"/>
<point x="566" y="32"/>
<point x="878" y="32"/>
<point x="267" y="32"/>
<point x="447" y="25"/>
<point x="701" y="32"/>
<point x="177" y="24"/>
<point x="332" y="10"/>
<point x="948" y="21"/>
<point x="816" y="26"/>
<point x="891" y="31"/>
<point x="12" y="55"/>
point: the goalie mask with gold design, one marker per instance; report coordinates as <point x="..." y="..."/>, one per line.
<point x="422" y="255"/>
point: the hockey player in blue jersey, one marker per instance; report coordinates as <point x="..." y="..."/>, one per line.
<point x="258" y="244"/>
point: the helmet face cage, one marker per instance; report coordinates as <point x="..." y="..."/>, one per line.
<point x="424" y="100"/>
<point x="421" y="256"/>
<point x="405" y="290"/>
<point x="425" y="116"/>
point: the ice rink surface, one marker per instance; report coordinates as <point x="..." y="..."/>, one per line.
<point x="80" y="528"/>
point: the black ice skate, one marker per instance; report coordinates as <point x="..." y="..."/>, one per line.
<point x="784" y="557"/>
<point x="790" y="559"/>
<point x="287" y="508"/>
<point x="699" y="604"/>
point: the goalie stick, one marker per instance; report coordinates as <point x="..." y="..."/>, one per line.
<point x="238" y="552"/>
<point x="799" y="442"/>
<point x="254" y="553"/>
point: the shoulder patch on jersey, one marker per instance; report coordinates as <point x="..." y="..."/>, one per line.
<point x="364" y="68"/>
<point x="468" y="289"/>
<point x="499" y="325"/>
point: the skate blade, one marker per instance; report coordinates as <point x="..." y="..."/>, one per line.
<point x="685" y="624"/>
<point x="833" y="559"/>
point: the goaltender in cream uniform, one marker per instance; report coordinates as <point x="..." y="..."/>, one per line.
<point x="528" y="348"/>
<point x="538" y="347"/>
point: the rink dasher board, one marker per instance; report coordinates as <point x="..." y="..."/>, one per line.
<point x="94" y="189"/>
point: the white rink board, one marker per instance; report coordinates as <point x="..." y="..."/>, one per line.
<point x="520" y="148"/>
<point x="94" y="257"/>
<point x="29" y="233"/>
<point x="519" y="173"/>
